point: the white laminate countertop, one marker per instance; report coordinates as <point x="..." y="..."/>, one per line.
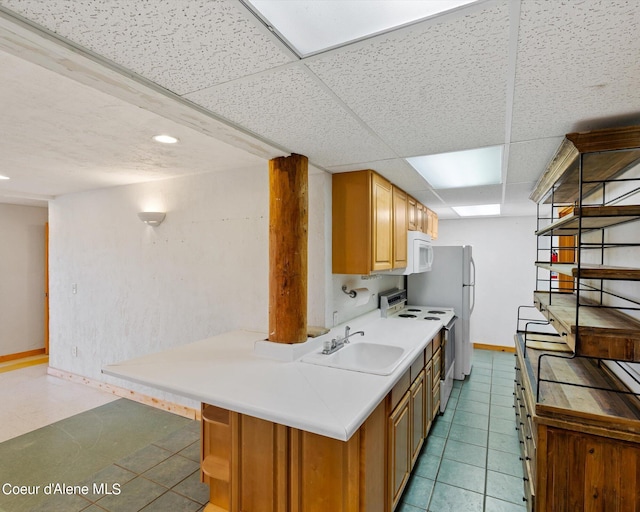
<point x="225" y="371"/>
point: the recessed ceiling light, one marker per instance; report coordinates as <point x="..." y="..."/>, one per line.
<point x="470" y="168"/>
<point x="477" y="210"/>
<point x="165" y="139"/>
<point x="4" y="177"/>
<point x="310" y="27"/>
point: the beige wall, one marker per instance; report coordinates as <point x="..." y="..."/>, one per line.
<point x="22" y="244"/>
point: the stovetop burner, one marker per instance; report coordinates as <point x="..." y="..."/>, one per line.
<point x="432" y="318"/>
<point x="405" y="315"/>
<point x="437" y="312"/>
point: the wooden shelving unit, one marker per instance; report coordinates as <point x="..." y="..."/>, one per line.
<point x="588" y="271"/>
<point x="579" y="426"/>
<point x="579" y="180"/>
<point x="589" y="218"/>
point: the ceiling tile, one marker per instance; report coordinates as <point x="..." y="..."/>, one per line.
<point x="528" y="160"/>
<point x="437" y="86"/>
<point x="488" y="194"/>
<point x="397" y="171"/>
<point x="577" y="66"/>
<point x="182" y="45"/>
<point x="519" y="192"/>
<point x="428" y="198"/>
<point x="290" y="108"/>
<point x="59" y="136"/>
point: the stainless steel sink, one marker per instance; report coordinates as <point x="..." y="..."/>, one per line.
<point x="363" y="357"/>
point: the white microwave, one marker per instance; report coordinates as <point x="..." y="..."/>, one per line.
<point x="419" y="254"/>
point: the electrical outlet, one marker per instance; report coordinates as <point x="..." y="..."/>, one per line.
<point x="335" y="318"/>
<point x="74" y="288"/>
<point x="74" y="351"/>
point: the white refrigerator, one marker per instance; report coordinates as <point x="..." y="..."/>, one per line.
<point x="450" y="283"/>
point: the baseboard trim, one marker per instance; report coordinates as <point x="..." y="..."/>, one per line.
<point x="499" y="348"/>
<point x="22" y="355"/>
<point x="165" y="405"/>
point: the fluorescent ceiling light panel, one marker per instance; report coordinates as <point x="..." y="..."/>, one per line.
<point x="470" y="168"/>
<point x="477" y="210"/>
<point x="310" y="26"/>
<point x="4" y="177"/>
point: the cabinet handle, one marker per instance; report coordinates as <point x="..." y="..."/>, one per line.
<point x="524" y="499"/>
<point x="529" y="438"/>
<point x="564" y="333"/>
<point x="525" y="478"/>
<point x="551" y="320"/>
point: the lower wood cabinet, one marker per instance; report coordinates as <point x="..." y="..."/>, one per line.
<point x="254" y="465"/>
<point x="418" y="409"/>
<point x="399" y="449"/>
<point x="580" y="445"/>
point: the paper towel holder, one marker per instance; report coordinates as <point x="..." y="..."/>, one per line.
<point x="350" y="293"/>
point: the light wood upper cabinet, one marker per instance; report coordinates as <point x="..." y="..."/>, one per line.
<point x="400" y="225"/>
<point x="412" y="213"/>
<point x="421" y="218"/>
<point x="371" y="218"/>
<point x="362" y="223"/>
<point x="432" y="224"/>
<point x="382" y="227"/>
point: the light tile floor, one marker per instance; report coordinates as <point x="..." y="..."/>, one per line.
<point x="31" y="399"/>
<point x="471" y="459"/>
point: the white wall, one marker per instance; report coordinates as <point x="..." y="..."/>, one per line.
<point x="504" y="250"/>
<point x="141" y="289"/>
<point x="22" y="281"/>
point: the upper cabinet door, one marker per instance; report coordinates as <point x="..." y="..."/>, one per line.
<point x="382" y="226"/>
<point x="421" y="220"/>
<point x="400" y="226"/>
<point x="412" y="213"/>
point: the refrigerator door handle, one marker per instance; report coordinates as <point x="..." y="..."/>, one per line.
<point x="473" y="284"/>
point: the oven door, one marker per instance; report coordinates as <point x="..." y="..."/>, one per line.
<point x="448" y="358"/>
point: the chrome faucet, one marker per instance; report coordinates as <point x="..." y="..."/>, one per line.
<point x="329" y="347"/>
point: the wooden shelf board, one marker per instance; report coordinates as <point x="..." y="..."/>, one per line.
<point x="561" y="175"/>
<point x="588" y="271"/>
<point x="584" y="403"/>
<point x="216" y="468"/>
<point x="603" y="321"/>
<point x="593" y="217"/>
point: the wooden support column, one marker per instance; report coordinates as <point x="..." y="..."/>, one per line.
<point x="288" y="221"/>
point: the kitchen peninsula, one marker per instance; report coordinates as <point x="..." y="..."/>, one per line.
<point x="285" y="435"/>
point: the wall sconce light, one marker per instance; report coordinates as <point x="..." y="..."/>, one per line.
<point x="152" y="218"/>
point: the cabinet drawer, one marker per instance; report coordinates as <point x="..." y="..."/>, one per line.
<point x="417" y="366"/>
<point x="435" y="367"/>
<point x="428" y="353"/>
<point x="400" y="389"/>
<point x="435" y="400"/>
<point x="436" y="341"/>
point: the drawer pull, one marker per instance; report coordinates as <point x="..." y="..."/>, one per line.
<point x="525" y="478"/>
<point x="529" y="438"/>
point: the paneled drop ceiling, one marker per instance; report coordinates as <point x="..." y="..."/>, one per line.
<point x="86" y="83"/>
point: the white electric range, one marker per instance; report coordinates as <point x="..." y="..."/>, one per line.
<point x="393" y="304"/>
